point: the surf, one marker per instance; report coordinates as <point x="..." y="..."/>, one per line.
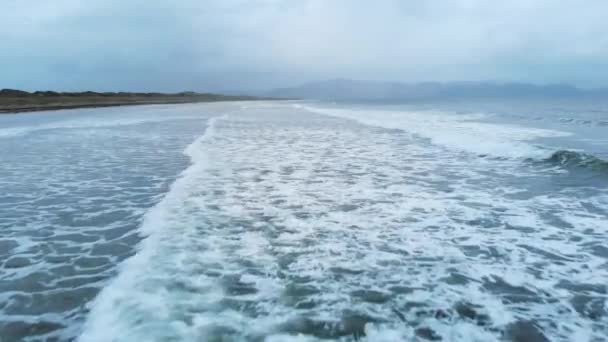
<point x="463" y="132"/>
<point x="111" y="313"/>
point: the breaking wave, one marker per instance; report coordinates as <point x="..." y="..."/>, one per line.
<point x="460" y="132"/>
<point x="578" y="160"/>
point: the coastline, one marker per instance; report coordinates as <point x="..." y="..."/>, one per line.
<point x="16" y="101"/>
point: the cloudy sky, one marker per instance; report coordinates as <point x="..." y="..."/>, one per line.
<point x="223" y="45"/>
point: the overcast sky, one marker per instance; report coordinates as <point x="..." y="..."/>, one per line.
<point x="220" y="45"/>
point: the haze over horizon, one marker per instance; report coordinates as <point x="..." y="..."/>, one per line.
<point x="254" y="45"/>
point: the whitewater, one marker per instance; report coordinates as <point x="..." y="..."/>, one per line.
<point x="295" y="221"/>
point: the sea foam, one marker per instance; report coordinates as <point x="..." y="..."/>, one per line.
<point x="291" y="225"/>
<point x="455" y="131"/>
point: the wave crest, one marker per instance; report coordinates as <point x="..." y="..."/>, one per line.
<point x="572" y="159"/>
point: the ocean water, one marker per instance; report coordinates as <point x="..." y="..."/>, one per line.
<point x="306" y="221"/>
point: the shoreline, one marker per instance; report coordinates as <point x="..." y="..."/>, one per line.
<point x="54" y="107"/>
<point x="16" y="101"/>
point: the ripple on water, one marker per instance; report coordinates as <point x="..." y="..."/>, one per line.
<point x="292" y="225"/>
<point x="72" y="198"/>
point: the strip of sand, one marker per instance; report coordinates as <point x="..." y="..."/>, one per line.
<point x="17" y="101"/>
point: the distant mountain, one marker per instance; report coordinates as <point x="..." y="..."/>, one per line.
<point x="344" y="89"/>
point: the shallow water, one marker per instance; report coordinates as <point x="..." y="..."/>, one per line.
<point x="75" y="186"/>
<point x="301" y="222"/>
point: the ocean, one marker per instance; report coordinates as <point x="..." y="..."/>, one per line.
<point x="306" y="221"/>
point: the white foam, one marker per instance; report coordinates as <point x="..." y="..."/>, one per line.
<point x="13" y="131"/>
<point x="101" y="118"/>
<point x="454" y="131"/>
<point x="108" y="316"/>
<point x="285" y="215"/>
<point x="70" y="202"/>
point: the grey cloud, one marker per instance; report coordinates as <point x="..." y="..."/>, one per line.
<point x="240" y="44"/>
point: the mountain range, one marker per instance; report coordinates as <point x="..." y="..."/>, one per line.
<point x="346" y="89"/>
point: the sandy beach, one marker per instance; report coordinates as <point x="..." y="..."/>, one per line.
<point x="17" y="101"/>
